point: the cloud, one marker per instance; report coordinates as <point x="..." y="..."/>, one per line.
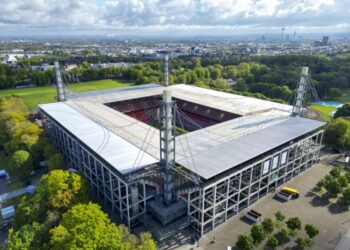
<point x="109" y="15"/>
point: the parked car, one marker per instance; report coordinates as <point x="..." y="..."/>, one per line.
<point x="253" y="215"/>
<point x="284" y="195"/>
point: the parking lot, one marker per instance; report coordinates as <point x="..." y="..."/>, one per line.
<point x="332" y="219"/>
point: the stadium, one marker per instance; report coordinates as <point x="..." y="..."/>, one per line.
<point x="180" y="157"/>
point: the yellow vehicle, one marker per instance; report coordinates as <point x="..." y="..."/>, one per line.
<point x="292" y="191"/>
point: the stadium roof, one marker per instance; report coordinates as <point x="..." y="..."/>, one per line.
<point x="119" y="153"/>
<point x="219" y="159"/>
<point x="128" y="144"/>
<point x="237" y="104"/>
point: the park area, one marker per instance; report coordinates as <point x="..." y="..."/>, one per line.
<point x="37" y="95"/>
<point x="323" y="110"/>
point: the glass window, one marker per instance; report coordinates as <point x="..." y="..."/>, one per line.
<point x="266" y="167"/>
<point x="284" y="158"/>
<point x="275" y="162"/>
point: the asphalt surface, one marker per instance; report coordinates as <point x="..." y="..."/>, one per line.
<point x="331" y="218"/>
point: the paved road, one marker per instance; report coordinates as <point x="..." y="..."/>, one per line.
<point x="344" y="244"/>
<point x="310" y="207"/>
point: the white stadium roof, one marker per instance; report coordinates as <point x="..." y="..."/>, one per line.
<point x="119" y="153"/>
<point x="128" y="144"/>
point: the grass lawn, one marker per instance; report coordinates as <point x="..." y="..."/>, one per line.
<point x="345" y="96"/>
<point x="323" y="110"/>
<point x="34" y="96"/>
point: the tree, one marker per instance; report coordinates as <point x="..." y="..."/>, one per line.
<point x="62" y="189"/>
<point x="340" y="82"/>
<point x="56" y="162"/>
<point x="337" y="133"/>
<point x="303" y="243"/>
<point x="311" y="230"/>
<point x="280" y="216"/>
<point x="146" y="242"/>
<point x="346" y="195"/>
<point x="343" y="111"/>
<point x="24" y="238"/>
<point x="336" y="172"/>
<point x="258" y="233"/>
<point x="56" y="192"/>
<point x="21" y="163"/>
<point x="282" y="237"/>
<point x="334" y="93"/>
<point x="49" y="151"/>
<point x="321" y="184"/>
<point x="245" y="242"/>
<point x="343" y="181"/>
<point x="272" y="242"/>
<point x="294" y="223"/>
<point x="268" y="225"/>
<point x="85" y="226"/>
<point x="219" y="84"/>
<point x="333" y="187"/>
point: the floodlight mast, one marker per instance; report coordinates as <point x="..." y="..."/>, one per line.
<point x="300" y="96"/>
<point x="167" y="139"/>
<point x="59" y="84"/>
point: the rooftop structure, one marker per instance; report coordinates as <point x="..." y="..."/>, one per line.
<point x="229" y="151"/>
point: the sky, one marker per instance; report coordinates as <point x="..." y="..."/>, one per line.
<point x="172" y="17"/>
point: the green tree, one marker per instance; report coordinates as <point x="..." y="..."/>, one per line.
<point x="85" y="226"/>
<point x="49" y="151"/>
<point x="343" y="111"/>
<point x="272" y="242"/>
<point x="311" y="230"/>
<point x="62" y="189"/>
<point x="340" y="82"/>
<point x="346" y="196"/>
<point x="245" y="242"/>
<point x="301" y="243"/>
<point x="24" y="238"/>
<point x="268" y="225"/>
<point x="56" y="162"/>
<point x="294" y="223"/>
<point x="343" y="181"/>
<point x="334" y="93"/>
<point x="321" y="184"/>
<point x="347" y="176"/>
<point x="336" y="172"/>
<point x="56" y="192"/>
<point x="333" y="187"/>
<point x="282" y="236"/>
<point x="21" y="164"/>
<point x="280" y="216"/>
<point x="146" y="242"/>
<point x="219" y="84"/>
<point x="258" y="233"/>
<point x="337" y="133"/>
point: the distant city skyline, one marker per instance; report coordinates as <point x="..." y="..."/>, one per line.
<point x="172" y="17"/>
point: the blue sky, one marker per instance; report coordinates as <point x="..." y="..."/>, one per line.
<point x="198" y="17"/>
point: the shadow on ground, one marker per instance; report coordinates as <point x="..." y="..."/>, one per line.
<point x="338" y="208"/>
<point x="318" y="201"/>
